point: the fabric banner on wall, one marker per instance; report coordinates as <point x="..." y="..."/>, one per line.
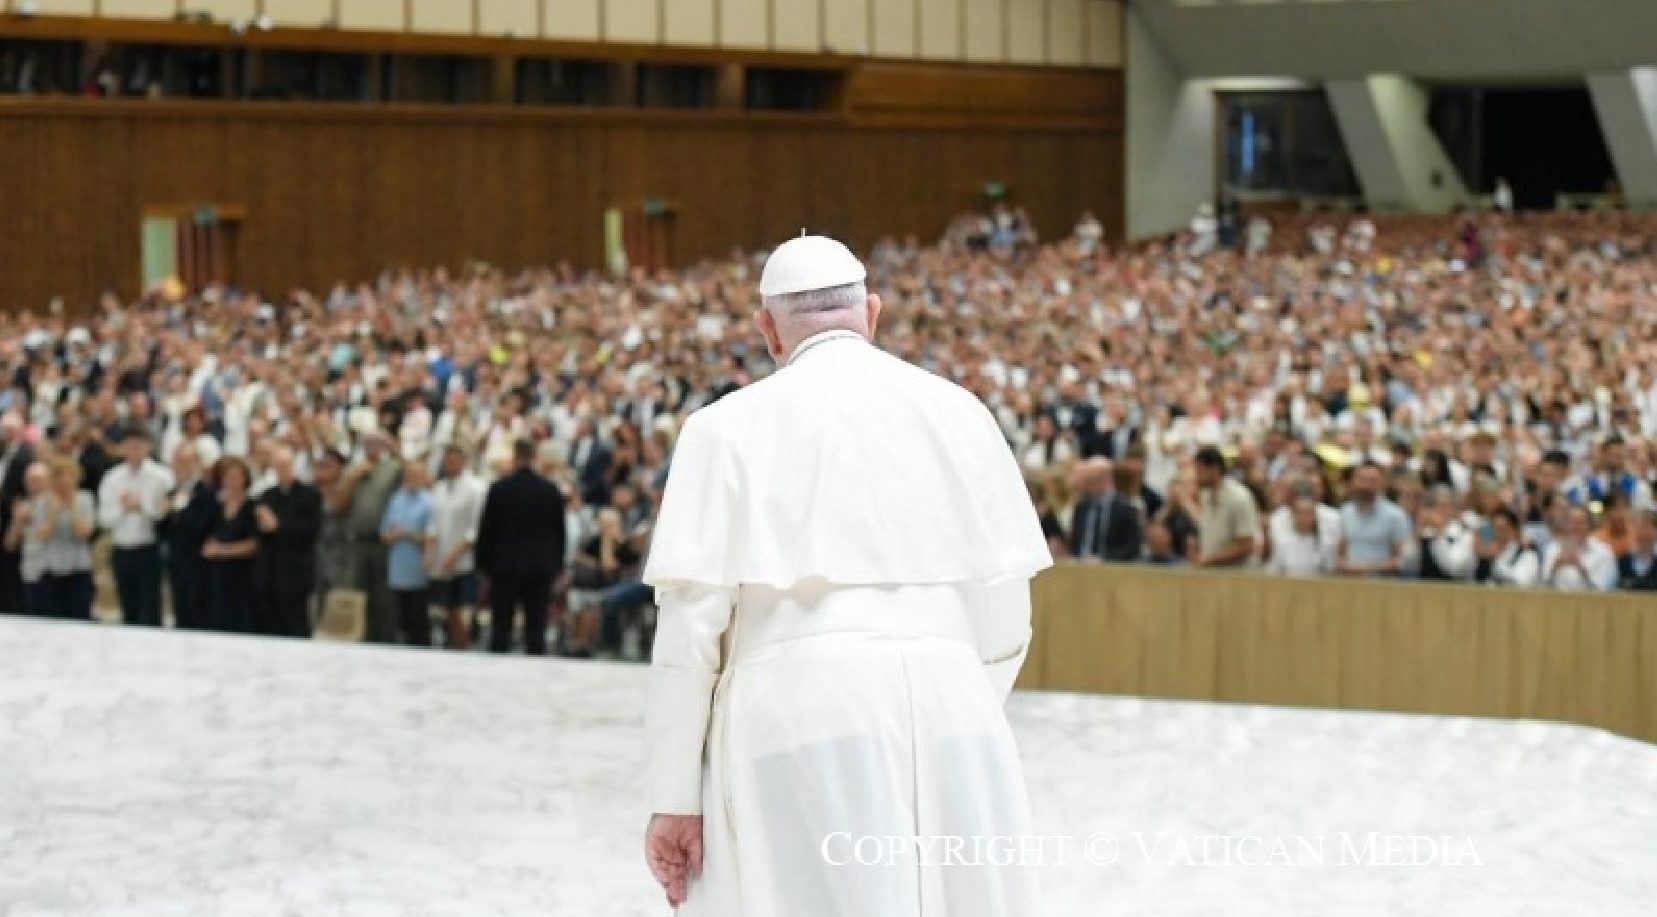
<point x="615" y="244"/>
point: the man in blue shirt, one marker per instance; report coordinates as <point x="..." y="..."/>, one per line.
<point x="1375" y="532"/>
<point x="407" y="517"/>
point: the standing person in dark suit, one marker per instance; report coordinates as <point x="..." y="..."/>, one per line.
<point x="1637" y="570"/>
<point x="289" y="516"/>
<point x="1105" y="526"/>
<point x="191" y="510"/>
<point x="15" y="457"/>
<point x="520" y="548"/>
<point x="1118" y="433"/>
<point x="1071" y="411"/>
<point x="591" y="457"/>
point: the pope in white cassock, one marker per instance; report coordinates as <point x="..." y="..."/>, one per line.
<point x="842" y="564"/>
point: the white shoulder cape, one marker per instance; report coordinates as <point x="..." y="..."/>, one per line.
<point x="851" y="465"/>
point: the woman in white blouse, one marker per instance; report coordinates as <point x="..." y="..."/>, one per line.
<point x="64" y="517"/>
<point x="1308" y="547"/>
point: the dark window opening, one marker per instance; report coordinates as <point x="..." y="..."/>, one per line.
<point x="565" y="82"/>
<point x="675" y="86"/>
<point x="310" y="77"/>
<point x="41" y="67"/>
<point x="791" y="90"/>
<point x="1491" y="134"/>
<point x="445" y="79"/>
<point x="1283" y="143"/>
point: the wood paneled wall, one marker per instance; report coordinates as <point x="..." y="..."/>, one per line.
<point x="1052" y="32"/>
<point x="1407" y="647"/>
<point x="339" y="192"/>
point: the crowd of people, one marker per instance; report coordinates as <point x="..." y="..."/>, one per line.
<point x="1465" y="399"/>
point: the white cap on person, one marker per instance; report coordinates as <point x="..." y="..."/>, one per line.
<point x="809" y="263"/>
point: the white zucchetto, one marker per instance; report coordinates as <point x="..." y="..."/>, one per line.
<point x="809" y="263"/>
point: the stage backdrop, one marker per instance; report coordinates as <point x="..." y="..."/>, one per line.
<point x="1407" y="647"/>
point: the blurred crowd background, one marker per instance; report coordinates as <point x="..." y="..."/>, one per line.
<point x="1468" y="399"/>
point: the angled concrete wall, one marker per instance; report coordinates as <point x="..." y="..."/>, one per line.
<point x="1401" y="166"/>
<point x="1170" y="137"/>
<point x="1626" y="102"/>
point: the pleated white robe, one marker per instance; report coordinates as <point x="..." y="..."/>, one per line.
<point x="842" y="563"/>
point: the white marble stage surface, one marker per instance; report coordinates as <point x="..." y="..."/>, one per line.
<point x="146" y="773"/>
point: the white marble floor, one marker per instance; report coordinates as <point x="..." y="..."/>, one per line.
<point x="168" y="774"/>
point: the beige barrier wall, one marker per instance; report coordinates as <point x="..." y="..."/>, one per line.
<point x="1404" y="647"/>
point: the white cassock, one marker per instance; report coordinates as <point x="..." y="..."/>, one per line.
<point x="842" y="564"/>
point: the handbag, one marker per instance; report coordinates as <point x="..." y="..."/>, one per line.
<point x="344" y="616"/>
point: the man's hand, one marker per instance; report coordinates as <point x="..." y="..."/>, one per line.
<point x="266" y="519"/>
<point x="673" y="848"/>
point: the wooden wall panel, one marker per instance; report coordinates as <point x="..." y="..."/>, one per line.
<point x="846" y="26"/>
<point x="226" y="9"/>
<point x="893" y="28"/>
<point x="1104" y="33"/>
<point x="1057" y="33"/>
<point x="940" y="29"/>
<point x="146" y="9"/>
<point x="796" y="25"/>
<point x="745" y="23"/>
<point x="376" y="15"/>
<point x="632" y="21"/>
<point x="689" y="22"/>
<point x="1066" y="38"/>
<point x="893" y="90"/>
<point x="985" y="30"/>
<point x="572" y="19"/>
<point x="338" y="193"/>
<point x="65" y="7"/>
<point x="1027" y="31"/>
<point x="441" y="16"/>
<point x="304" y="14"/>
<point x="518" y="17"/>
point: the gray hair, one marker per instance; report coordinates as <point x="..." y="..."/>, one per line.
<point x="849" y="296"/>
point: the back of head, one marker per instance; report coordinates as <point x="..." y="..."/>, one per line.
<point x="800" y="315"/>
<point x="812" y="284"/>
